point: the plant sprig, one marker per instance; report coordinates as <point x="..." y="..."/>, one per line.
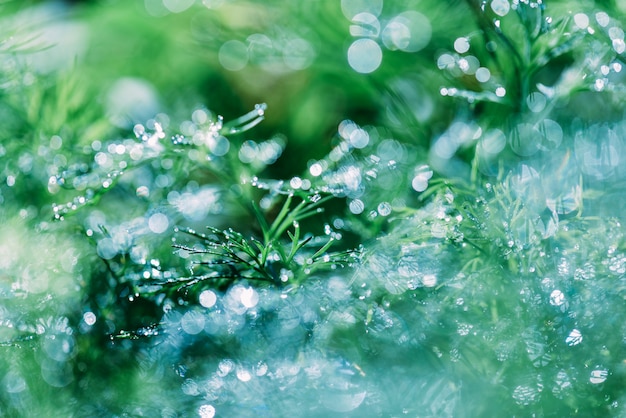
<point x="151" y="145"/>
<point x="283" y="255"/>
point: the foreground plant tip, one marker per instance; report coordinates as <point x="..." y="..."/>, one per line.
<point x="226" y="256"/>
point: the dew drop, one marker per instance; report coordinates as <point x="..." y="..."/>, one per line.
<point x="419" y="183"/>
<point x="429" y="280"/>
<point x="190" y="387"/>
<point x="59" y="347"/>
<point x="365" y="25"/>
<point x="364" y="56"/>
<point x="295" y="183"/>
<point x="55" y="373"/>
<point x="500" y="7"/>
<point x="243" y="375"/>
<point x="249" y="297"/>
<point x="359" y="138"/>
<point x="446" y="61"/>
<point x="483" y="74"/>
<point x="179" y="140"/>
<point x="603" y="19"/>
<point x="106" y="248"/>
<point x="200" y="116"/>
<point x="461" y="45"/>
<point x="384" y="208"/>
<point x="233" y="55"/>
<point x="316" y="169"/>
<point x="13" y="382"/>
<point x="225" y="367"/>
<point x="409" y="31"/>
<point x="298" y="54"/>
<point x="219" y="145"/>
<point x="207" y="298"/>
<point x="574" y="338"/>
<point x="536" y="102"/>
<point x="56" y="142"/>
<point x="562" y="381"/>
<point x="260" y="108"/>
<point x="525" y="395"/>
<point x="192" y="322"/>
<point x="598" y="375"/>
<point x="525" y="139"/>
<point x="557" y="298"/>
<point x="206" y="411"/>
<point x="581" y="20"/>
<point x="423" y="174"/>
<point x="492" y="142"/>
<point x="158" y="223"/>
<point x="89" y="318"/>
<point x="261" y="368"/>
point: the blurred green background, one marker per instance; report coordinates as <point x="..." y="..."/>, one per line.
<point x="475" y="150"/>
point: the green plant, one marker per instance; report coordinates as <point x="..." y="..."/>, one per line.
<point x="268" y="259"/>
<point x="195" y="271"/>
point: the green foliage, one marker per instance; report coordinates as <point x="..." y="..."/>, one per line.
<point x="227" y="256"/>
<point x="436" y="233"/>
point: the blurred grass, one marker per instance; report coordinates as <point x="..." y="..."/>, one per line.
<point x="173" y="60"/>
<point x="177" y="54"/>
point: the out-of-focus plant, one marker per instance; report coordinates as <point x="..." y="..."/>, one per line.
<point x="205" y="143"/>
<point x="488" y="274"/>
<point x="527" y="76"/>
<point x="283" y="254"/>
